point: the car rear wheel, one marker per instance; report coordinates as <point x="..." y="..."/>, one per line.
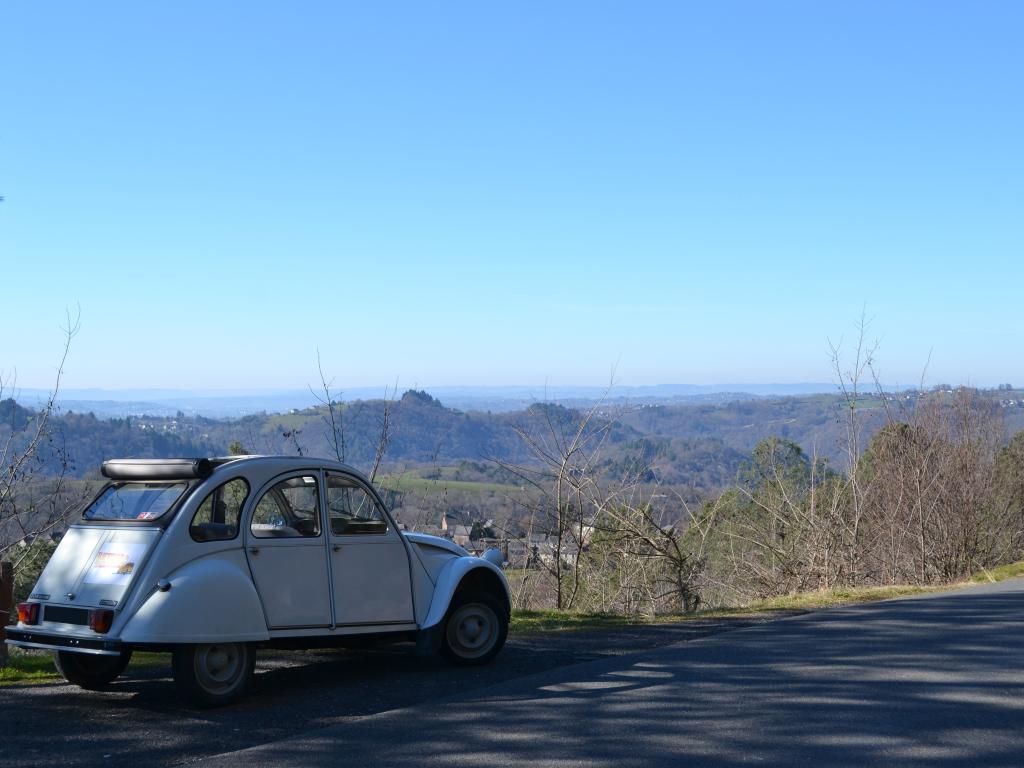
<point x="213" y="674"/>
<point x="475" y="629"/>
<point x="90" y="671"/>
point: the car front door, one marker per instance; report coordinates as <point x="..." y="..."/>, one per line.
<point x="287" y="553"/>
<point x="369" y="561"/>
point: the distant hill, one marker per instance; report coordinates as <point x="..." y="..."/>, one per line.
<point x="700" y="444"/>
<point x="244" y="402"/>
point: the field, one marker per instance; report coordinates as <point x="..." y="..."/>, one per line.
<point x="413" y="481"/>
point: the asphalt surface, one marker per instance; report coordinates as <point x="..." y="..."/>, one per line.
<point x="927" y="681"/>
<point x="138" y="721"/>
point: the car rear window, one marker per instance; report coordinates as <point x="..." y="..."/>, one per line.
<point x="135" y="501"/>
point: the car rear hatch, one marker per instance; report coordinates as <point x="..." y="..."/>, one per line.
<point x="98" y="560"/>
<point x="93" y="567"/>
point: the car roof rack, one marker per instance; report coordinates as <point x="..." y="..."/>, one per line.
<point x="157" y="469"/>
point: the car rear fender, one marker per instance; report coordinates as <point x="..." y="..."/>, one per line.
<point x="211" y="599"/>
<point x="453" y="575"/>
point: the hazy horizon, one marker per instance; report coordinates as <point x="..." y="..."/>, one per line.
<point x="750" y="387"/>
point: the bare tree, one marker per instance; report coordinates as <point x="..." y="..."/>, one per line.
<point x="334" y="419"/>
<point x="609" y="541"/>
<point x="849" y="376"/>
<point x="35" y="497"/>
<point x="384" y="432"/>
<point x="659" y="556"/>
<point x="292" y="436"/>
<point x="780" y="529"/>
<point x="565" y="446"/>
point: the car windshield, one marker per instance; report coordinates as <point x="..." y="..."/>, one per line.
<point x="135" y="501"/>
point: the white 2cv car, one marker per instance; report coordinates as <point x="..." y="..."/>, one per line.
<point x="212" y="558"/>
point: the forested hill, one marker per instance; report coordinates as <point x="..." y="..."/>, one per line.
<point x="702" y="446"/>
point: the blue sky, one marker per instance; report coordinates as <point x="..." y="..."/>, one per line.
<point x="478" y="193"/>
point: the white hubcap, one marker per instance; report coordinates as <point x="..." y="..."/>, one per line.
<point x="219" y="667"/>
<point x="472" y="630"/>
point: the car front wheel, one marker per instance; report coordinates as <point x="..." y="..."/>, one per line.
<point x="212" y="674"/>
<point x="92" y="672"/>
<point x="475" y="629"/>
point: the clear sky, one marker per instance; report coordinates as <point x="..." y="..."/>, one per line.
<point x="485" y="193"/>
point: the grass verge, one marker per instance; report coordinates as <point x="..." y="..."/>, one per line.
<point x="30" y="667"/>
<point x="562" y="621"/>
<point x="1001" y="573"/>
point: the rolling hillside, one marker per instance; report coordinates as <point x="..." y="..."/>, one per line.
<point x="699" y="446"/>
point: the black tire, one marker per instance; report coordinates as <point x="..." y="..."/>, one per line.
<point x="90" y="671"/>
<point x="474" y="629"/>
<point x="212" y="674"/>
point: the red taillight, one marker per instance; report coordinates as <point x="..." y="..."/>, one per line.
<point x="28" y="613"/>
<point x="100" y="620"/>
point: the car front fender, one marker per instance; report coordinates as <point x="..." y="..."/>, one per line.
<point x="448" y="581"/>
<point x="208" y="600"/>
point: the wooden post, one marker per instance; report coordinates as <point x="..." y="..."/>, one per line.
<point x="6" y="605"/>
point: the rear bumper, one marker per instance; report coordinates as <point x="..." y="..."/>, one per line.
<point x="26" y="638"/>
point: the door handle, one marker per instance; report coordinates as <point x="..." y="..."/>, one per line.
<point x="336" y="548"/>
<point x="254" y="550"/>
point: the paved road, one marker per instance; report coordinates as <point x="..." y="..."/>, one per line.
<point x="139" y="723"/>
<point x="929" y="681"/>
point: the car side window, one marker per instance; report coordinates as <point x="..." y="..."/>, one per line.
<point x="217" y="517"/>
<point x="352" y="509"/>
<point x="289" y="509"/>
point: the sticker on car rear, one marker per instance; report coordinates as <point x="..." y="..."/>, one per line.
<point x="115" y="563"/>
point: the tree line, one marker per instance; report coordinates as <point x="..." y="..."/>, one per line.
<point x="936" y="495"/>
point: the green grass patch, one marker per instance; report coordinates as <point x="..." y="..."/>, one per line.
<point x="805" y="601"/>
<point x="1000" y="573"/>
<point x="561" y="621"/>
<point x="570" y="621"/>
<point x="28" y="668"/>
<point x="33" y="667"/>
<point x="411" y="481"/>
<point x="285" y="422"/>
